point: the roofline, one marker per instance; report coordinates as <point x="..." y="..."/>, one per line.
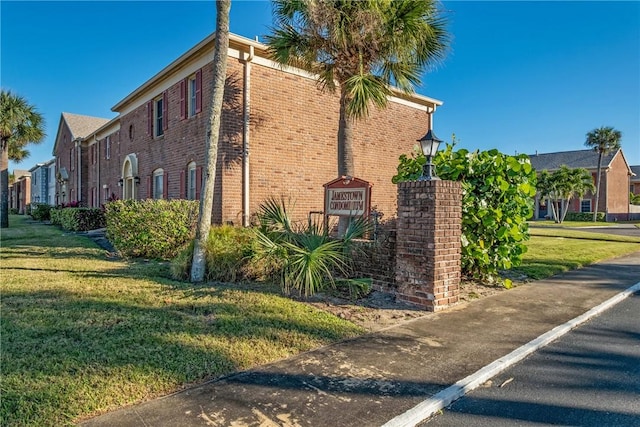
<point x="111" y="122"/>
<point x="236" y="41"/>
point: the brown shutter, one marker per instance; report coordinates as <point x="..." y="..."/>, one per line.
<point x="149" y="192"/>
<point x="182" y="186"/>
<point x="165" y="186"/>
<point x="199" y="90"/>
<point x="198" y="181"/>
<point x="165" y="113"/>
<point x="183" y="99"/>
<point x="150" y="118"/>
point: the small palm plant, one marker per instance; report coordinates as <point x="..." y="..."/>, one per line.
<point x="307" y="258"/>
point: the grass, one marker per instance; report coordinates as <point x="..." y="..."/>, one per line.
<point x="553" y="250"/>
<point x="82" y="334"/>
<point x="569" y="224"/>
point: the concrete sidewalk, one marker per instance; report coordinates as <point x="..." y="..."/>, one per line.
<point x="369" y="380"/>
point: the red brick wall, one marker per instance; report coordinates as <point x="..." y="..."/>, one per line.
<point x="63" y="154"/>
<point x="294" y="142"/>
<point x="428" y="243"/>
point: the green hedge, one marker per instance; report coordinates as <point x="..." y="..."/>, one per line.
<point x="157" y="229"/>
<point x="78" y="219"/>
<point x="584" y="216"/>
<point x="41" y="211"/>
<point x="229" y="257"/>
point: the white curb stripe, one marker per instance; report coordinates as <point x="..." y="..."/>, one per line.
<point x="446" y="397"/>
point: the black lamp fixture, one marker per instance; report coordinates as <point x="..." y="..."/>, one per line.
<point x="120" y="182"/>
<point x="429" y="145"/>
<point x="137" y="180"/>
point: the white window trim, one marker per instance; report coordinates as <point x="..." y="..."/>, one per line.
<point x="191" y="96"/>
<point x="191" y="181"/>
<point x="590" y="205"/>
<point x="158" y="176"/>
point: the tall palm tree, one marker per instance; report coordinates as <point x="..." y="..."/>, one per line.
<point x="358" y="48"/>
<point x="20" y="124"/>
<point x="220" y="53"/>
<point x="604" y="140"/>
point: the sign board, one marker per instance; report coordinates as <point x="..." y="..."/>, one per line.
<point x="347" y="196"/>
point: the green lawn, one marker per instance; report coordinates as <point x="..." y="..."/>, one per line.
<point x="569" y="224"/>
<point x="82" y="334"/>
<point x="553" y="250"/>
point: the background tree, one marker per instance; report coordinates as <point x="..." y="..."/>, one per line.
<point x="561" y="186"/>
<point x="359" y="48"/>
<point x="604" y="140"/>
<point x="220" y="52"/>
<point x="20" y="124"/>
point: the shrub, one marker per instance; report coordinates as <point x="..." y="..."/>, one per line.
<point x="157" y="229"/>
<point x="228" y="254"/>
<point x="585" y="216"/>
<point x="27" y="209"/>
<point x="305" y="257"/>
<point x="78" y="219"/>
<point x="496" y="201"/>
<point x="41" y="212"/>
<point x="13" y="211"/>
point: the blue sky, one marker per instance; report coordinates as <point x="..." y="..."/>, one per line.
<point x="520" y="76"/>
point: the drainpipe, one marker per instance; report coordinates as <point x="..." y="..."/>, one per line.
<point x="78" y="143"/>
<point x="98" y="188"/>
<point x="245" y="137"/>
<point x="430" y="111"/>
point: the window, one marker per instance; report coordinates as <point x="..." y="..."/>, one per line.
<point x="585" y="205"/>
<point x="158" y="184"/>
<point x="191" y="95"/>
<point x="71" y="157"/>
<point x="158" y="118"/>
<point x="191" y="181"/>
<point x="107" y="147"/>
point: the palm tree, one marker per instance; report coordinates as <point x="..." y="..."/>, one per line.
<point x="561" y="186"/>
<point x="604" y="140"/>
<point x="359" y="48"/>
<point x="220" y="52"/>
<point x="20" y="124"/>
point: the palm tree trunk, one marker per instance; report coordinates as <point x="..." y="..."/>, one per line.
<point x="345" y="139"/>
<point x="221" y="49"/>
<point x="595" y="209"/>
<point x="345" y="151"/>
<point x="4" y="186"/>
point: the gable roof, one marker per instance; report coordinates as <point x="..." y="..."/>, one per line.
<point x="587" y="159"/>
<point x="636" y="171"/>
<point x="80" y="126"/>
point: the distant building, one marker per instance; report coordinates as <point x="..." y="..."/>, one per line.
<point x="614" y="185"/>
<point x="634" y="182"/>
<point x="20" y="191"/>
<point x="72" y="156"/>
<point x="42" y="178"/>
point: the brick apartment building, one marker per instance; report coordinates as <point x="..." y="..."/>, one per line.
<point x="614" y="185"/>
<point x="278" y="138"/>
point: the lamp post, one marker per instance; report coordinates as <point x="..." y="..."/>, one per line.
<point x="429" y="145"/>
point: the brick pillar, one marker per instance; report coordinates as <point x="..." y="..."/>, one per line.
<point x="428" y="243"/>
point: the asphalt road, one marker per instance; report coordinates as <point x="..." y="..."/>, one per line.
<point x="589" y="377"/>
